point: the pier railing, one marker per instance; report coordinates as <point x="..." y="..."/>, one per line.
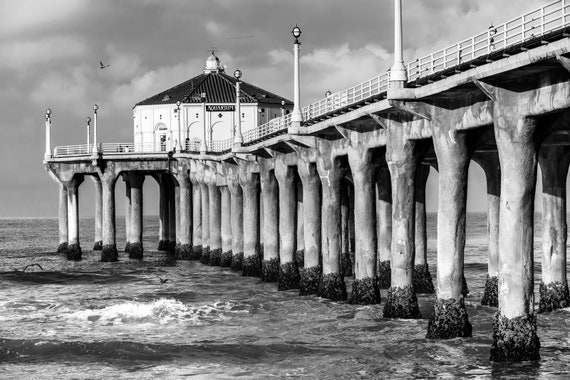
<point x="530" y="26"/>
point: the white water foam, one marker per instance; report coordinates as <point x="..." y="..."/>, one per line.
<point x="162" y="311"/>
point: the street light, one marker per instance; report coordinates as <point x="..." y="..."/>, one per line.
<point x="203" y="146"/>
<point x="398" y="73"/>
<point x="88" y="134"/>
<point x="282" y="108"/>
<point x="179" y="145"/>
<point x="48" y="134"/>
<point x="95" y="146"/>
<point x="296" y="117"/>
<point x="238" y="138"/>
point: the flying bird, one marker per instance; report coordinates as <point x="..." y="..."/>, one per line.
<point x="163" y="280"/>
<point x="33" y="265"/>
<point x="102" y="66"/>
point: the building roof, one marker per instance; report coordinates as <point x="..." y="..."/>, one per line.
<point x="218" y="86"/>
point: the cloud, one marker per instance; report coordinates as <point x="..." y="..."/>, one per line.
<point x="20" y="55"/>
<point x="25" y="15"/>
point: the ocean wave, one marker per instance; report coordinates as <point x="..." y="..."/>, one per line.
<point x="161" y="311"/>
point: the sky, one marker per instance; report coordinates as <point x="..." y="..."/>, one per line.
<point x="50" y="53"/>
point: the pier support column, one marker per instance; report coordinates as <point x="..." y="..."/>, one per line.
<point x="270" y="193"/>
<point x="346" y="263"/>
<point x="215" y="222"/>
<point x="300" y="253"/>
<point x="63" y="219"/>
<point x="73" y="251"/>
<point x="162" y="213"/>
<point x="249" y="182"/>
<point x="554" y="161"/>
<point x="226" y="259"/>
<point x="310" y="274"/>
<point x="514" y="329"/>
<point x="288" y="271"/>
<point x="108" y="180"/>
<point x="205" y="212"/>
<point x="237" y="222"/>
<point x="184" y="235"/>
<point x="136" y="181"/>
<point x="449" y="319"/>
<point x="98" y="244"/>
<point x="489" y="162"/>
<point x="365" y="289"/>
<point x="423" y="282"/>
<point x="402" y="159"/>
<point x="196" y="215"/>
<point x="384" y="225"/>
<point x="171" y="214"/>
<point x="128" y="211"/>
<point x="330" y="171"/>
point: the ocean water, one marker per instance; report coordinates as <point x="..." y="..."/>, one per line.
<point x="91" y="320"/>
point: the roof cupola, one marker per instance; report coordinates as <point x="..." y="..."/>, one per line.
<point x="213" y="64"/>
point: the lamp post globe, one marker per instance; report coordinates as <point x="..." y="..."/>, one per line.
<point x="95" y="107"/>
<point x="237" y="74"/>
<point x="296" y="33"/>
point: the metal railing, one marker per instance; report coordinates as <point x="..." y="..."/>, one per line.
<point x="218" y="146"/>
<point x="272" y="126"/>
<point x="547" y="19"/>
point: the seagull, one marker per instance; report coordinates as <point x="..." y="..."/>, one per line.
<point x="32" y="265"/>
<point x="163" y="280"/>
<point x="102" y="66"/>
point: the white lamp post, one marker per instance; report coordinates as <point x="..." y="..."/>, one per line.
<point x="238" y="137"/>
<point x="88" y="134"/>
<point x="283" y="108"/>
<point x="203" y="147"/>
<point x="179" y="145"/>
<point x="398" y="74"/>
<point x="48" y="134"/>
<point x="296" y="116"/>
<point x="95" y="146"/>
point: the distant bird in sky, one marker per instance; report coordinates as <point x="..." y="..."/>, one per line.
<point x="102" y="66"/>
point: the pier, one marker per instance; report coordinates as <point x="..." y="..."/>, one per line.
<point x="290" y="199"/>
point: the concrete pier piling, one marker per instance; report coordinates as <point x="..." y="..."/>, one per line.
<point x="365" y="288"/>
<point x="108" y="180"/>
<point x="136" y="181"/>
<point x="346" y="264"/>
<point x="249" y="181"/>
<point x="288" y="271"/>
<point x="270" y="193"/>
<point x="300" y="239"/>
<point x="63" y="219"/>
<point x="196" y="215"/>
<point x="489" y="162"/>
<point x="184" y="209"/>
<point x="402" y="158"/>
<point x="162" y="213"/>
<point x="330" y="171"/>
<point x="205" y="212"/>
<point x="128" y="211"/>
<point x="171" y="215"/>
<point x="226" y="259"/>
<point x="449" y="318"/>
<point x="215" y="220"/>
<point x="384" y="225"/>
<point x="554" y="161"/>
<point x="73" y="251"/>
<point x="237" y="220"/>
<point x="310" y="274"/>
<point x="423" y="282"/>
<point x="514" y="329"/>
<point x="98" y="244"/>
